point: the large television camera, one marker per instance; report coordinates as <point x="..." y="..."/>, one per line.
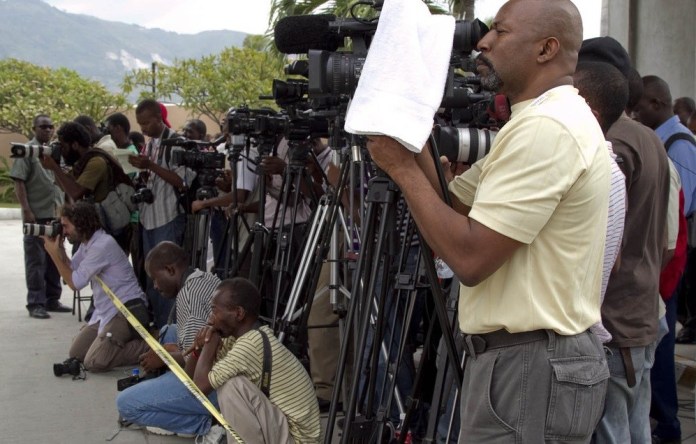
<point x="469" y="116"/>
<point x="333" y="72"/>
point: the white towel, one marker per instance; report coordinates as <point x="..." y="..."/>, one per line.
<point x="403" y="80"/>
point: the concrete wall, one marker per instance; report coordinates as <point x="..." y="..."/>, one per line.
<point x="176" y="115"/>
<point x="659" y="35"/>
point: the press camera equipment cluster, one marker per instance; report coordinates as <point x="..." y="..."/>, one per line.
<point x="25" y="150"/>
<point x="52" y="229"/>
<point x="466" y="126"/>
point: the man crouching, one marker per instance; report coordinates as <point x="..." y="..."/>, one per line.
<point x="264" y="392"/>
<point x="107" y="341"/>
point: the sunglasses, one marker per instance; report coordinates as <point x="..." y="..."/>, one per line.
<point x="45" y="127"/>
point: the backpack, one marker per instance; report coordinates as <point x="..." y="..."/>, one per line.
<point x="116" y="208"/>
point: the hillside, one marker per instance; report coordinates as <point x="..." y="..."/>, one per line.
<point x="97" y="49"/>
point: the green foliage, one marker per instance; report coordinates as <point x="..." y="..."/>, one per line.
<point x="212" y="84"/>
<point x="27" y="90"/>
<point x="7" y="191"/>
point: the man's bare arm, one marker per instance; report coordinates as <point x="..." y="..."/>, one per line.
<point x="472" y="250"/>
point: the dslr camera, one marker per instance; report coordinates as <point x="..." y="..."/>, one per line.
<point x="142" y="195"/>
<point x="24" y="150"/>
<point x="71" y="366"/>
<point x="53" y="229"/>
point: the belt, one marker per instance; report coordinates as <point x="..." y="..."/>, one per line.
<point x="477" y="344"/>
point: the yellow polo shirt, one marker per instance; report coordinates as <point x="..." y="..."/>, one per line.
<point x="545" y="183"/>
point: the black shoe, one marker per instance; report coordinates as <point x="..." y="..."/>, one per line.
<point x="657" y="440"/>
<point x="687" y="335"/>
<point x="38" y="312"/>
<point x="57" y="307"/>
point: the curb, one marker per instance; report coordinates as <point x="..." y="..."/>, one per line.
<point x="10" y="214"/>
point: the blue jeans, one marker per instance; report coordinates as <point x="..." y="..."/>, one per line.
<point x="665" y="405"/>
<point x="43" y="279"/>
<point x="172" y="231"/>
<point x="164" y="401"/>
<point x="627" y="409"/>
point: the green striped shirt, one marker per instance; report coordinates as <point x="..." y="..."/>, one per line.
<point x="291" y="388"/>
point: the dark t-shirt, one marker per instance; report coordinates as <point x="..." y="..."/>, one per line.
<point x="95" y="177"/>
<point x="630" y="307"/>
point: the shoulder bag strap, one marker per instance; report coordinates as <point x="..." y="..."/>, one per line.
<point x="266" y="372"/>
<point x="679" y="136"/>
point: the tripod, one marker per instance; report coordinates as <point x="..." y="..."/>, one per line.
<point x="381" y="199"/>
<point x="295" y="177"/>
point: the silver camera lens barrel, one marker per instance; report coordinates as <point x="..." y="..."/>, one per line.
<point x="35" y="229"/>
<point x="474" y="144"/>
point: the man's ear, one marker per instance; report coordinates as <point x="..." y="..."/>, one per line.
<point x="549" y="48"/>
<point x="170" y="269"/>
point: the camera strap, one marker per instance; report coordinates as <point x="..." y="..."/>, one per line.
<point x="267" y="364"/>
<point x="168" y="360"/>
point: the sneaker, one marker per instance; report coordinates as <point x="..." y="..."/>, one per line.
<point x="163" y="432"/>
<point x="159" y="431"/>
<point x="216" y="435"/>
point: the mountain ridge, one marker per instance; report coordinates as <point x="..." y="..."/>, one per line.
<point x="36" y="32"/>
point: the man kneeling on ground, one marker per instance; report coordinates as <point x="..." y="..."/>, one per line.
<point x="107" y="341"/>
<point x="163" y="404"/>
<point x="229" y="356"/>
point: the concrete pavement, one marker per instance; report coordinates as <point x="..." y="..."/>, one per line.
<point x="36" y="406"/>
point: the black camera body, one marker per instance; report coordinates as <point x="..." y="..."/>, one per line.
<point x="71" y="366"/>
<point x="52" y="229"/>
<point x="143" y="195"/>
<point x="198" y="160"/>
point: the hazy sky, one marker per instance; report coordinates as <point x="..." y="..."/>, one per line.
<point x="251" y="16"/>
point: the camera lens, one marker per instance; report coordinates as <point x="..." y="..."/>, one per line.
<point x="58" y="369"/>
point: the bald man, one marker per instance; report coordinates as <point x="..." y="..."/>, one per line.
<point x="525" y="237"/>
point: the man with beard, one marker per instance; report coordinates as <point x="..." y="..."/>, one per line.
<point x="107" y="341"/>
<point x="526" y="236"/>
<point x="91" y="175"/>
<point x="40" y="199"/>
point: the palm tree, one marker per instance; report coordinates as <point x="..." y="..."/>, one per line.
<point x="462" y="9"/>
<point x="341" y="8"/>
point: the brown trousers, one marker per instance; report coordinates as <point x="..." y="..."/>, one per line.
<point x="101" y="352"/>
<point x="250" y="413"/>
<point x="324" y="342"/>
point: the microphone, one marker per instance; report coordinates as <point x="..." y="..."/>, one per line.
<point x="299" y="33"/>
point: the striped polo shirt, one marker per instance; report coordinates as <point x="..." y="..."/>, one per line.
<point x="291" y="389"/>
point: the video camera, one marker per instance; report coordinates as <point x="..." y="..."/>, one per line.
<point x="468" y="118"/>
<point x="332" y="72"/>
<point x="25" y="150"/>
<point x="53" y="229"/>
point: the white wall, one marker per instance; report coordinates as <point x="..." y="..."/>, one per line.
<point x="660" y="36"/>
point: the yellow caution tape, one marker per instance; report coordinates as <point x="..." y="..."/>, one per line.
<point x="167" y="359"/>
